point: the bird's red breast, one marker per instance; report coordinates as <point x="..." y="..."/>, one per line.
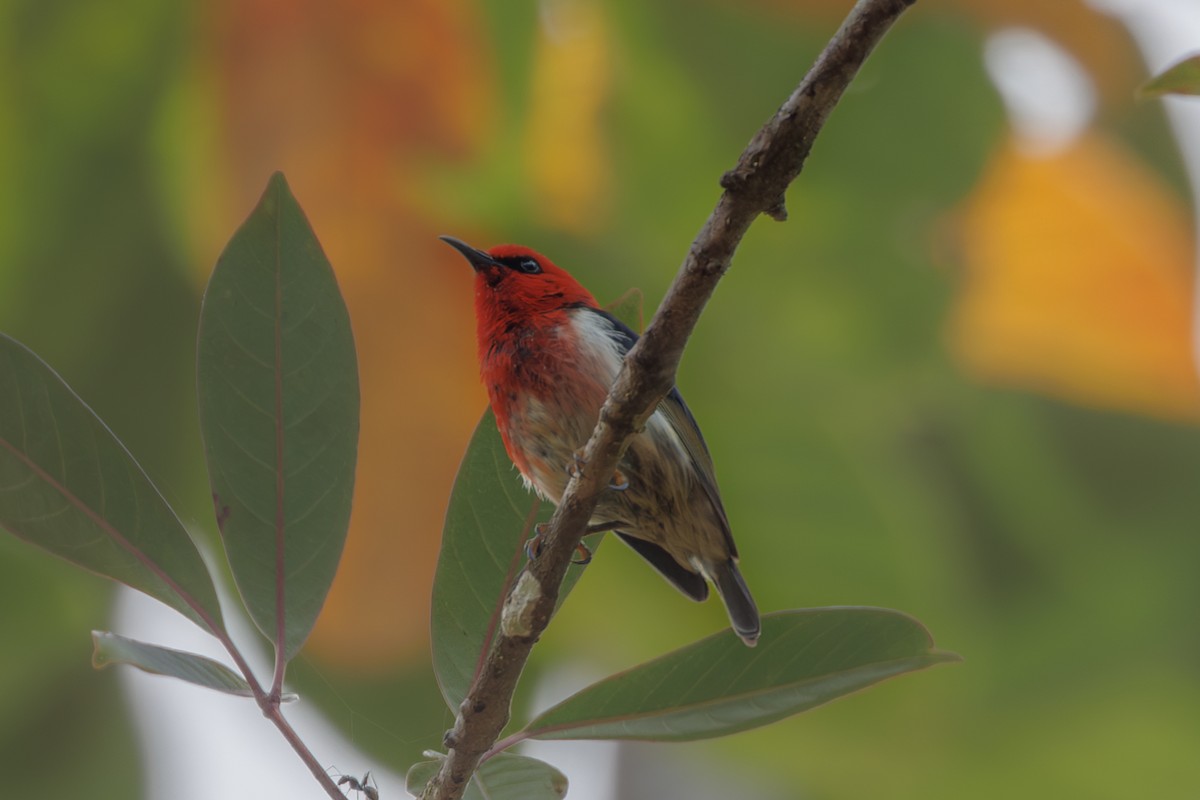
<point x="528" y="348"/>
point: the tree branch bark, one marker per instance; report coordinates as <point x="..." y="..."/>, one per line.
<point x="756" y="185"/>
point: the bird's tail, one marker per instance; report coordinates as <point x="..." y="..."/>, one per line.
<point x="743" y="614"/>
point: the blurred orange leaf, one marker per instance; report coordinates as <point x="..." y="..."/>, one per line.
<point x="564" y="151"/>
<point x="1079" y="282"/>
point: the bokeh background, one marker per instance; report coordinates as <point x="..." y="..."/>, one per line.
<point x="958" y="382"/>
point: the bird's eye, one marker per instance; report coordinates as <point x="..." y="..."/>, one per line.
<point x="527" y="265"/>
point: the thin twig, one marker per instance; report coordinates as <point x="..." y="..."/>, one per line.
<point x="755" y="186"/>
<point x="271" y="710"/>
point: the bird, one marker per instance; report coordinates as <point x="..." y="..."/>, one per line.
<point x="548" y="355"/>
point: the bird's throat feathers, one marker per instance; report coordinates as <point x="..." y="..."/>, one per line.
<point x="545" y="358"/>
<point x="518" y="350"/>
<point x="546" y="380"/>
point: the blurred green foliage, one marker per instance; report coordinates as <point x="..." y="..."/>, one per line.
<point x="1052" y="546"/>
<point x="88" y="280"/>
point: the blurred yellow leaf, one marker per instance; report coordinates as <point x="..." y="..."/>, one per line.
<point x="564" y="150"/>
<point x="1079" y="282"/>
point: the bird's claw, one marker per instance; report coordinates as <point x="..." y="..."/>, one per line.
<point x="533" y="547"/>
<point x="619" y="482"/>
<point x="575" y="468"/>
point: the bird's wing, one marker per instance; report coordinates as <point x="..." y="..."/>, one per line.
<point x="680" y="418"/>
<point x="690" y="583"/>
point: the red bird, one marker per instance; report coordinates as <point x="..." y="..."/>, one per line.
<point x="548" y="355"/>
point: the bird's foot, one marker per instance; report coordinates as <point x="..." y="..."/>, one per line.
<point x="619" y="482"/>
<point x="533" y="546"/>
<point x="583" y="555"/>
<point x="575" y="468"/>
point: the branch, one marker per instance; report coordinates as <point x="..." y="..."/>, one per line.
<point x="755" y="186"/>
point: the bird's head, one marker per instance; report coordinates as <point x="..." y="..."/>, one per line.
<point x="514" y="280"/>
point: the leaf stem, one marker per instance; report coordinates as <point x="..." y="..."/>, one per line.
<point x="504" y="744"/>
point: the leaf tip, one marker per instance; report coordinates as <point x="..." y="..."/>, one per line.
<point x="274" y="195"/>
<point x="946" y="656"/>
<point x="1182" y="78"/>
<point x="99" y="661"/>
<point x="277" y="181"/>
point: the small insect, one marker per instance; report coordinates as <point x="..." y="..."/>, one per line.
<point x="366" y="786"/>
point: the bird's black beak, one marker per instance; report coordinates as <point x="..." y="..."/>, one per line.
<point x="478" y="259"/>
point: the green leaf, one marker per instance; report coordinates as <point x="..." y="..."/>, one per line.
<point x="513" y="777"/>
<point x="69" y="486"/>
<point x="1181" y="78"/>
<point x="487" y="523"/>
<point x="278" y="386"/>
<point x="109" y="648"/>
<point x="717" y="686"/>
<point x="502" y="777"/>
<point x="420" y="774"/>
